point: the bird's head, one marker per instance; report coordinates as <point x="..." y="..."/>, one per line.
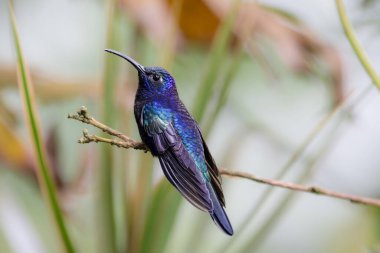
<point x="153" y="79"/>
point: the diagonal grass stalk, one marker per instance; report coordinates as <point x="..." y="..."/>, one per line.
<point x="140" y="201"/>
<point x="264" y="230"/>
<point x="204" y="94"/>
<point x="160" y="209"/>
<point x="43" y="171"/>
<point x="225" y="88"/>
<point x="218" y="51"/>
<point x="284" y="170"/>
<point x="104" y="201"/>
<point x="161" y="217"/>
<point x="260" y="235"/>
<point x="354" y="42"/>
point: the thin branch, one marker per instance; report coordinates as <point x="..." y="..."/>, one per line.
<point x="127" y="143"/>
<point x="87" y="138"/>
<point x="354" y="42"/>
<point x="303" y="188"/>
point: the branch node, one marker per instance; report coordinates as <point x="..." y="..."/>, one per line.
<point x="82" y="112"/>
<point x="315" y="190"/>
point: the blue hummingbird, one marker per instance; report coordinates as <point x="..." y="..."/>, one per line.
<point x="172" y="135"/>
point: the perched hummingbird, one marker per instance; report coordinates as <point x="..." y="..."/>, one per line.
<point x="173" y="136"/>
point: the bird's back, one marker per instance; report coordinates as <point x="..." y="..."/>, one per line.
<point x="184" y="124"/>
<point x="188" y="130"/>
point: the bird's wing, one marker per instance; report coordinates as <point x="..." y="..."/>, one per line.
<point x="177" y="164"/>
<point x="216" y="180"/>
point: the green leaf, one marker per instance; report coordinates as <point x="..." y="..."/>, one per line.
<point x="160" y="218"/>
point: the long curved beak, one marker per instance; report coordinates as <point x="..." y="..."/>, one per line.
<point x="138" y="66"/>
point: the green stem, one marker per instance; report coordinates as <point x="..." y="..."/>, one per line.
<point x="43" y="170"/>
<point x="261" y="234"/>
<point x="354" y="42"/>
<point x="224" y="91"/>
<point x="104" y="202"/>
<point x="217" y="53"/>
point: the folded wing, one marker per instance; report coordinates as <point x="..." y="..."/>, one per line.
<point x="176" y="162"/>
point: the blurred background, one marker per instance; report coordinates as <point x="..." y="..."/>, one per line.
<point x="274" y="85"/>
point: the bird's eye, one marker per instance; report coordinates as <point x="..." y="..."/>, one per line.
<point x="156" y="77"/>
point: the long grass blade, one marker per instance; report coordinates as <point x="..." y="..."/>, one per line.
<point x="260" y="235"/>
<point x="104" y="201"/>
<point x="43" y="171"/>
<point x="224" y="91"/>
<point x="139" y="202"/>
<point x="355" y="44"/>
<point x="218" y="51"/>
<point x="160" y="218"/>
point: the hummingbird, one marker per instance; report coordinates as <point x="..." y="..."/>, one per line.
<point x="174" y="137"/>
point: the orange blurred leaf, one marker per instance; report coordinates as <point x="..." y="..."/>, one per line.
<point x="197" y="21"/>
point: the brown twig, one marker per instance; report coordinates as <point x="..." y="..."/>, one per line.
<point x="127" y="143"/>
<point x="303" y="188"/>
<point x="87" y="138"/>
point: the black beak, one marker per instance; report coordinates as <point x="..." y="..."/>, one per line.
<point x="140" y="68"/>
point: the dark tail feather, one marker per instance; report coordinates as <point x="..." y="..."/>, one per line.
<point x="218" y="214"/>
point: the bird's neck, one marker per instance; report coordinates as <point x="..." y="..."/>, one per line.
<point x="147" y="95"/>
